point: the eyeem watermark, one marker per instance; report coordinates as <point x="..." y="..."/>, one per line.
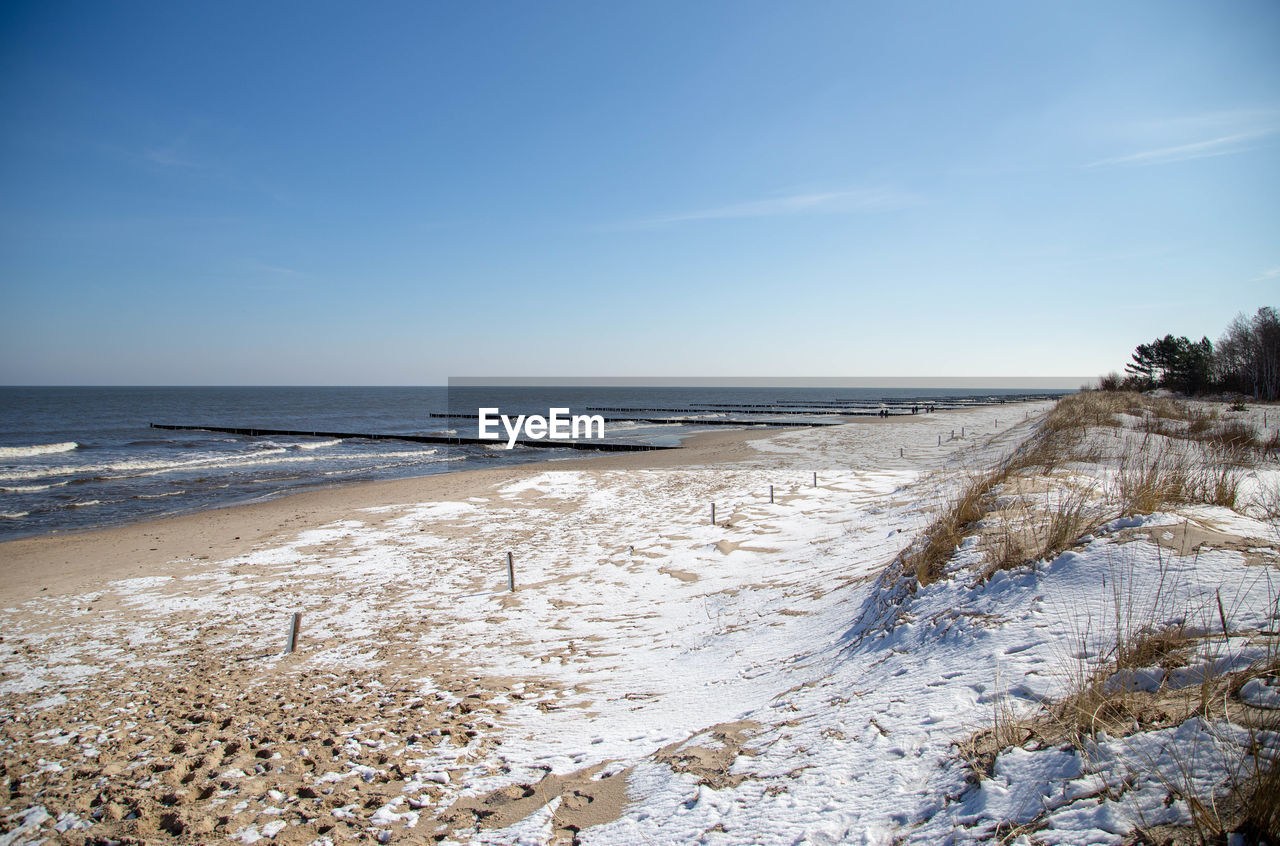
<point x="558" y="425"/>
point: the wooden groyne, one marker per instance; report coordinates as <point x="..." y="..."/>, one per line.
<point x="762" y="410"/>
<point x="451" y="440"/>
<point x="766" y="410"/>
<point x="681" y="421"/>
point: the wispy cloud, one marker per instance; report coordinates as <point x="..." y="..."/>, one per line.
<point x="827" y="202"/>
<point x="1266" y="275"/>
<point x="1224" y="146"/>
<point x="1195" y="136"/>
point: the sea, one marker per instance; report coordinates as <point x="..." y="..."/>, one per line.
<point x="77" y="458"/>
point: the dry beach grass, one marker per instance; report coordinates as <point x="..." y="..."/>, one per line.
<point x="1124" y="679"/>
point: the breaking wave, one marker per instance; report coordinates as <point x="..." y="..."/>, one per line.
<point x="30" y="488"/>
<point x="37" y="449"/>
<point x="317" y="445"/>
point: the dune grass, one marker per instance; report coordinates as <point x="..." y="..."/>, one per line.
<point x="1186" y="455"/>
<point x="928" y="560"/>
<point x="1038" y="502"/>
<point x="1040" y="531"/>
<point x="1122" y="680"/>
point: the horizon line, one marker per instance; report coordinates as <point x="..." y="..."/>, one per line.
<point x="1006" y="382"/>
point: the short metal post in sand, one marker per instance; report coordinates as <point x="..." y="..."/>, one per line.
<point x="511" y="573"/>
<point x="295" y="626"/>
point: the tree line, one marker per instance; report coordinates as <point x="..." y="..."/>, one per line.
<point x="1246" y="360"/>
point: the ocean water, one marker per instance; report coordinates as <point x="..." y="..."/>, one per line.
<point x="78" y="458"/>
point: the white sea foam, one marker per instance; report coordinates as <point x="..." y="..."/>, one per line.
<point x="130" y="469"/>
<point x="13" y="515"/>
<point x="317" y="444"/>
<point x="31" y="488"/>
<point x="620" y="425"/>
<point x="37" y="449"/>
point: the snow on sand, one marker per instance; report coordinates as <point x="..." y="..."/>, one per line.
<point x="653" y="679"/>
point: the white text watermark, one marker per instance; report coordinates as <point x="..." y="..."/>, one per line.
<point x="558" y="425"/>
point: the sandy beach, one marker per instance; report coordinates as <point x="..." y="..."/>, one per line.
<point x="654" y="677"/>
<point x="82" y="560"/>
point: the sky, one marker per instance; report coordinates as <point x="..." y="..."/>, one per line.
<point x="399" y="193"/>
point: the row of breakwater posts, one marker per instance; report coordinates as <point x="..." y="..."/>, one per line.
<point x="820" y="417"/>
<point x="453" y="440"/>
<point x="954" y="402"/>
<point x="869" y="411"/>
<point x="678" y="421"/>
<point x="295" y="619"/>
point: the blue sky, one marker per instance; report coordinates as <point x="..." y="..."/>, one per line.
<point x="325" y="193"/>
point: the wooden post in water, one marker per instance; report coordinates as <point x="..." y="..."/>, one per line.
<point x="939" y="440"/>
<point x="771" y="494"/>
<point x="962" y="432"/>
<point x="815" y="478"/>
<point x="713" y="513"/>
<point x="295" y="626"/>
<point x="899" y="452"/>
<point x="511" y="573"/>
